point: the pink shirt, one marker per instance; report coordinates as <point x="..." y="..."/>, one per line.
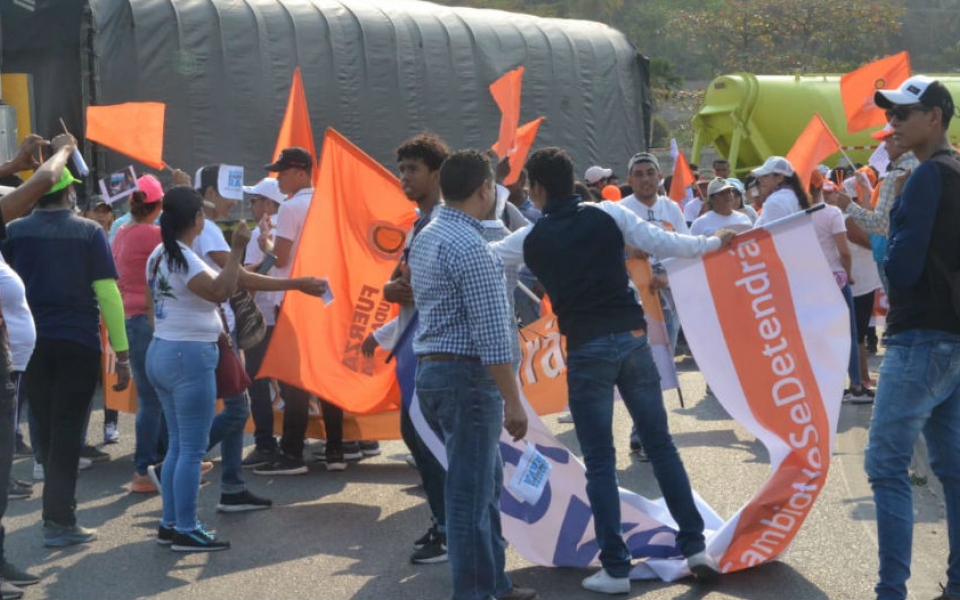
<point x="131" y="247"/>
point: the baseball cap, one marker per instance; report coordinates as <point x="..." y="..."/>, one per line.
<point x="268" y="188"/>
<point x="66" y="179"/>
<point x="737" y="184"/>
<point x="917" y="89"/>
<point x="210" y="176"/>
<point x="96" y="201"/>
<point x="151" y="188"/>
<point x="774" y="165"/>
<point x="640" y="157"/>
<point x="291" y="158"/>
<point x="718" y="185"/>
<point x="595" y="174"/>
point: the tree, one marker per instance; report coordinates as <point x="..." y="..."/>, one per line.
<point x="793" y="36"/>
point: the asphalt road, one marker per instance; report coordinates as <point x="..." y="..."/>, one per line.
<point x="349" y="534"/>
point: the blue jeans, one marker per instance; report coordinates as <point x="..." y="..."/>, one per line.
<point x="462" y="402"/>
<point x="624" y="359"/>
<point x="183" y="375"/>
<point x="227" y="430"/>
<point x="149" y="411"/>
<point x="919" y="390"/>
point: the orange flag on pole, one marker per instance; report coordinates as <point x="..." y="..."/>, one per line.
<point x="518" y="154"/>
<point x="857" y="89"/>
<point x="506" y="92"/>
<point x="682" y="179"/>
<point x="295" y="130"/>
<point x="815" y="144"/>
<point x="353" y="236"/>
<point x="134" y="129"/>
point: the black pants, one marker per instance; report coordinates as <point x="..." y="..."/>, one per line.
<point x="296" y="415"/>
<point x="261" y="406"/>
<point x="863" y="309"/>
<point x="61" y="379"/>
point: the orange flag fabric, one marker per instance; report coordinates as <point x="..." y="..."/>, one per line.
<point x="518" y="154"/>
<point x="857" y="89"/>
<point x="815" y="144"/>
<point x="295" y="129"/>
<point x="353" y="236"/>
<point x="134" y="129"/>
<point x="506" y="92"/>
<point x="682" y="179"/>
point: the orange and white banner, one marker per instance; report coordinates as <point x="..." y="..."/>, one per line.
<point x="770" y="331"/>
<point x="641" y="273"/>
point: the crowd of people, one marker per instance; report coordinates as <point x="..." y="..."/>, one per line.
<point x="171" y="293"/>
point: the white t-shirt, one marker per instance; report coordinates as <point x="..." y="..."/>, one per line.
<point x="712" y="221"/>
<point x="779" y="204"/>
<point x="691" y="210"/>
<point x="211" y="240"/>
<point x="179" y="315"/>
<point x="863" y="269"/>
<point x="290" y="219"/>
<point x="664" y="211"/>
<point x="828" y="222"/>
<point x="21" y="331"/>
<point x="265" y="301"/>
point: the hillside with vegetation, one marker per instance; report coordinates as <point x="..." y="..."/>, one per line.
<point x="689" y="42"/>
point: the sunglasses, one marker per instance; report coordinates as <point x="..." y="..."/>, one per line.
<point x="902" y="112"/>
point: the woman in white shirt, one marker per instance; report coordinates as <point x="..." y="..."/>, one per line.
<point x="721" y="199"/>
<point x="182" y="358"/>
<point x="784" y="192"/>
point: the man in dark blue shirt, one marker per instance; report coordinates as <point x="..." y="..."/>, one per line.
<point x="576" y="251"/>
<point x="919" y="387"/>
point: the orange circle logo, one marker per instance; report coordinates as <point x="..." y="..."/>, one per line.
<point x="386" y="240"/>
<point x="880" y="83"/>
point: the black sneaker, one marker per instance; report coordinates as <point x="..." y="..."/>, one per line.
<point x="862" y="396"/>
<point x="93" y="454"/>
<point x="334" y="460"/>
<point x="370" y="448"/>
<point x="58" y="536"/>
<point x="351" y="450"/>
<point x="424" y="539"/>
<point x="242" y="502"/>
<point x="198" y="540"/>
<point x="8" y="591"/>
<point x="10" y="573"/>
<point x="16" y="491"/>
<point x="165" y="535"/>
<point x="282" y="466"/>
<point x="258" y="457"/>
<point x="434" y="551"/>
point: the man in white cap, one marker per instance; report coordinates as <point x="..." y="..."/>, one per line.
<point x="919" y="388"/>
<point x="597" y="177"/>
<point x="265" y="201"/>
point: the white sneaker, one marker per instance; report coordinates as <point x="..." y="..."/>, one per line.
<point x="84" y="464"/>
<point x="602" y="582"/>
<point x="703" y="566"/>
<point x="111" y="435"/>
<point x="565" y="418"/>
<point x="37" y="471"/>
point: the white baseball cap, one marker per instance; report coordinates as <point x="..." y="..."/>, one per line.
<point x="909" y="92"/>
<point x="774" y="165"/>
<point x="268" y="188"/>
<point x="595" y="174"/>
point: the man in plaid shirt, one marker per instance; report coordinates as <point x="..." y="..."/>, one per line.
<point x="465" y="379"/>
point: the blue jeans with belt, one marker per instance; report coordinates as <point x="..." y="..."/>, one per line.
<point x="624" y="359"/>
<point x="183" y="375"/>
<point x="918" y="391"/>
<point x="149" y="412"/>
<point x="461" y="401"/>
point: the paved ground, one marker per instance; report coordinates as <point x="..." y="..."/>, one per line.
<point x="348" y="535"/>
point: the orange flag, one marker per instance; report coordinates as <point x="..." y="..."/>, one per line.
<point x="857" y="89"/>
<point x="295" y="130"/>
<point x="682" y="179"/>
<point x="353" y="236"/>
<point x="506" y="92"/>
<point x="134" y="129"/>
<point x="815" y="144"/>
<point x="518" y="154"/>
